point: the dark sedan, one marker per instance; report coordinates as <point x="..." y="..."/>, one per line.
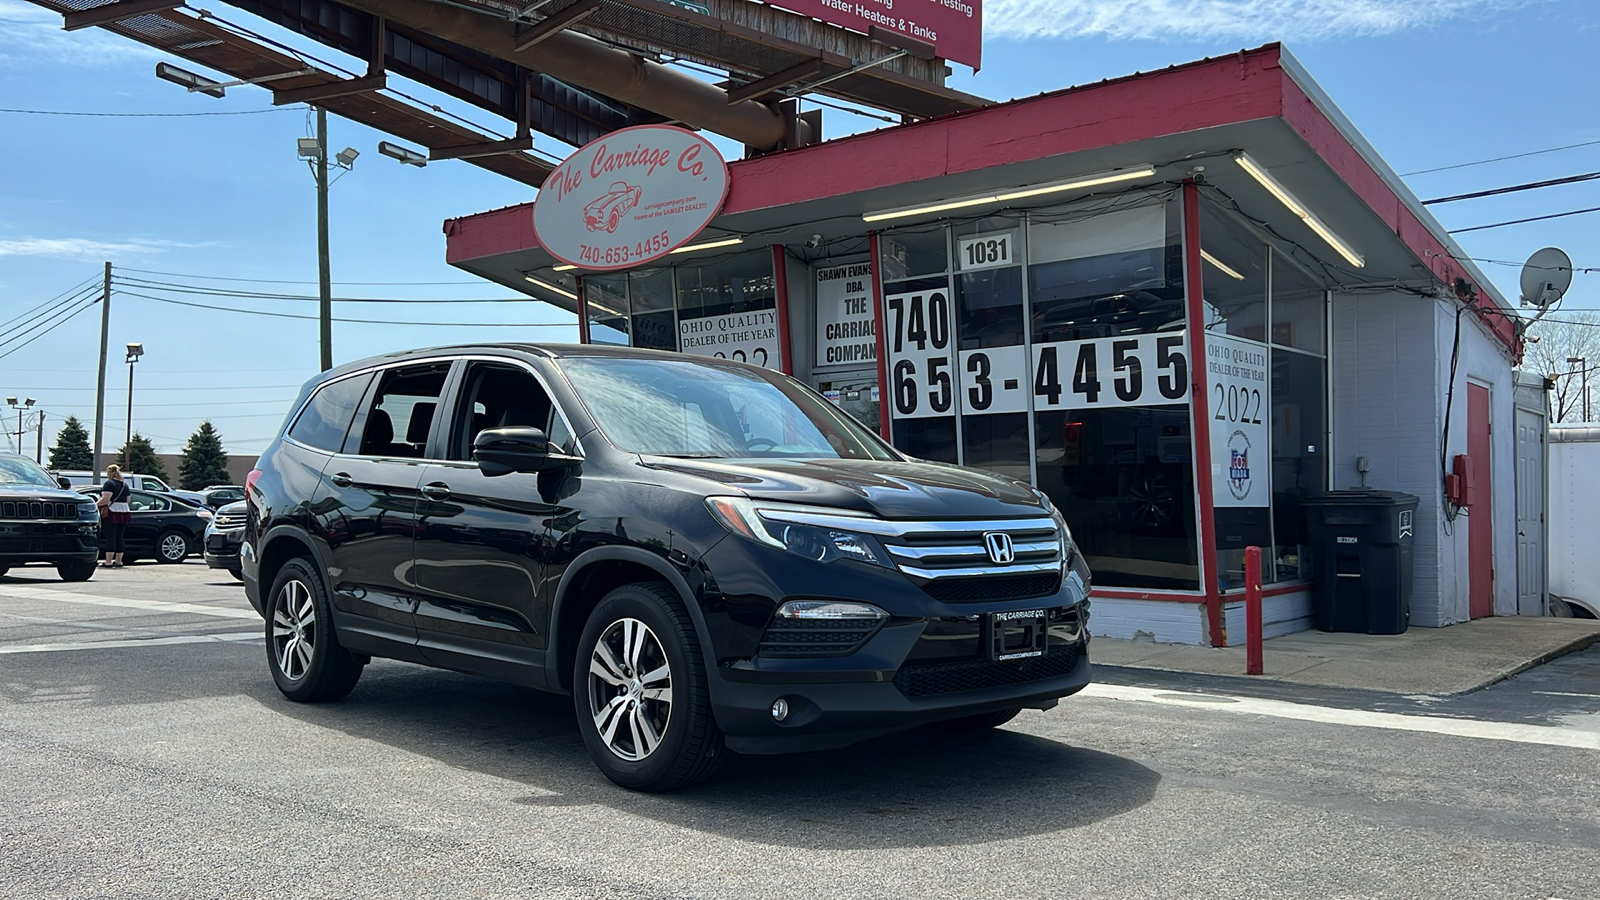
<point x="40" y="521"/>
<point x="164" y="528"/>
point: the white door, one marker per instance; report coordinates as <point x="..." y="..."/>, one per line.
<point x="1530" y="514"/>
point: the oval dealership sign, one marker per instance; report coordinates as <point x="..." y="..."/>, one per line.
<point x="630" y="197"/>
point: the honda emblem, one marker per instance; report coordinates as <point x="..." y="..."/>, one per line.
<point x="1001" y="550"/>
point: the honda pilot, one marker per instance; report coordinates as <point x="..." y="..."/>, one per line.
<point x="707" y="556"/>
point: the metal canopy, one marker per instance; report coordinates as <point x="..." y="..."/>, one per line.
<point x="753" y="41"/>
<point x="210" y="45"/>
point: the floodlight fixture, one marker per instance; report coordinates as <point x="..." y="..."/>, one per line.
<point x="11" y="401"/>
<point x="347" y="157"/>
<point x="403" y="155"/>
<point x="309" y="147"/>
<point x="189" y="80"/>
<point x="135" y="351"/>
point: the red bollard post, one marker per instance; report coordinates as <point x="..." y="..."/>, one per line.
<point x="1252" y="611"/>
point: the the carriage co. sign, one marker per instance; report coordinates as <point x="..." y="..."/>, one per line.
<point x="630" y="197"/>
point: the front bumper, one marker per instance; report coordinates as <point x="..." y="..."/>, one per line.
<point x="222" y="549"/>
<point x="51" y="542"/>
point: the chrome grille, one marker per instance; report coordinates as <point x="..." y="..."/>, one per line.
<point x="934" y="550"/>
<point x="230" y="521"/>
<point x="37" y="509"/>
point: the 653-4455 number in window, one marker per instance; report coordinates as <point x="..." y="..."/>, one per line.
<point x="1138" y="370"/>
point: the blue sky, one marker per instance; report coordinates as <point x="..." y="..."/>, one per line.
<point x="1429" y="82"/>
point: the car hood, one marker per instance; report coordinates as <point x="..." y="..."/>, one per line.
<point x="32" y="492"/>
<point x="892" y="490"/>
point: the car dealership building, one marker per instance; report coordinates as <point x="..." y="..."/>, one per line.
<point x="1178" y="303"/>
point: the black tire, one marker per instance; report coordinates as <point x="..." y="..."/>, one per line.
<point x="237" y="575"/>
<point x="298" y="615"/>
<point x="979" y="723"/>
<point x="72" y="570"/>
<point x="689" y="746"/>
<point x="173" y="546"/>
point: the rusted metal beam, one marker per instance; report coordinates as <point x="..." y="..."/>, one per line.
<point x="112" y="12"/>
<point x="755" y="90"/>
<point x="327" y="91"/>
<point x="473" y="151"/>
<point x="554" y="23"/>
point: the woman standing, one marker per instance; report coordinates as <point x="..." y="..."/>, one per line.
<point x="114" y="516"/>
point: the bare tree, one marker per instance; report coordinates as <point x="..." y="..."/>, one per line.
<point x="1554" y="341"/>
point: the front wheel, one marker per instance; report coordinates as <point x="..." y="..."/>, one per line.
<point x="72" y="570"/>
<point x="172" y="547"/>
<point x="307" y="662"/>
<point x="639" y="685"/>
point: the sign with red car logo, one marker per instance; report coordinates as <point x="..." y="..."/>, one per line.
<point x="630" y="197"/>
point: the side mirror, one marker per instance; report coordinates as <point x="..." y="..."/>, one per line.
<point x="64" y="482"/>
<point x="520" y="448"/>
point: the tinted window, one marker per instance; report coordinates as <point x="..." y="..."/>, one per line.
<point x="138" y="501"/>
<point x="401" y="417"/>
<point x="498" y="397"/>
<point x="327" y="417"/>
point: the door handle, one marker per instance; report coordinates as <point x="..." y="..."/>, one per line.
<point x="437" y="490"/>
<point x="341" y="479"/>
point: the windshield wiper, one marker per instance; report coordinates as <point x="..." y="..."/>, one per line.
<point x="689" y="455"/>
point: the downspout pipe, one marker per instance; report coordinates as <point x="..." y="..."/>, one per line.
<point x="591" y="64"/>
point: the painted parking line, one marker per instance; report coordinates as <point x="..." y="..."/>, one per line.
<point x="232" y="637"/>
<point x="199" y="609"/>
<point x="1281" y="709"/>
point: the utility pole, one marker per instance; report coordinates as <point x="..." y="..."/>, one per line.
<point x="38" y="441"/>
<point x="100" y="391"/>
<point x="325" y="315"/>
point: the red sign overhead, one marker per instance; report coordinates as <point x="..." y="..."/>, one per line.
<point x="630" y="197"/>
<point x="953" y="27"/>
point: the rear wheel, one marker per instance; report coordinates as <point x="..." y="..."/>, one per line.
<point x="639" y="685"/>
<point x="303" y="652"/>
<point x="980" y="722"/>
<point x="73" y="570"/>
<point x="172" y="547"/>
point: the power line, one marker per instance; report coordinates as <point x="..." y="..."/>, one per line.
<point x="278" y="315"/>
<point x="176" y="288"/>
<point x="1531" y="185"/>
<point x="71" y="290"/>
<point x="280" y="281"/>
<point x="1498" y="159"/>
<point x="42" y="319"/>
<point x="107" y="115"/>
<point x="57" y="324"/>
<point x="1575" y="212"/>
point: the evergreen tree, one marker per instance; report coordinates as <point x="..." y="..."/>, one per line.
<point x="143" y="459"/>
<point x="72" y="449"/>
<point x="204" y="463"/>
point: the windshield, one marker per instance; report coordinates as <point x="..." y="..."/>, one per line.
<point x="670" y="407"/>
<point x="22" y="472"/>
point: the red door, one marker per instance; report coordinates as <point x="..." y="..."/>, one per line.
<point x="1480" y="519"/>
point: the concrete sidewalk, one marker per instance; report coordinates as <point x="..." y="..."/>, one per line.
<point x="1423" y="661"/>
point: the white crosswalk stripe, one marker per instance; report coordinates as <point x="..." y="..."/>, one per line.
<point x="60" y="596"/>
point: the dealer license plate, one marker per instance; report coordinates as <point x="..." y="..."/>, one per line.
<point x="1018" y="635"/>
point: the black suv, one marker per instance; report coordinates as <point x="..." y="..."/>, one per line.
<point x="705" y="554"/>
<point x="41" y="521"/>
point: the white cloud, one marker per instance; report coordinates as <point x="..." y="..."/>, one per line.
<point x="84" y="248"/>
<point x="32" y="34"/>
<point x="1244" y="20"/>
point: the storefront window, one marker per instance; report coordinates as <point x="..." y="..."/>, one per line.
<point x="1299" y="307"/>
<point x="1299" y="457"/>
<point x="1109" y="384"/>
<point x="1233" y="266"/>
<point x="728" y="308"/>
<point x="652" y="297"/>
<point x="908" y="254"/>
<point x="606" y="299"/>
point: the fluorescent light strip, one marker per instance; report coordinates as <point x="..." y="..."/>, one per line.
<point x="1294" y="206"/>
<point x="563" y="268"/>
<point x="726" y="242"/>
<point x="550" y="287"/>
<point x="1019" y="194"/>
<point x="1226" y="269"/>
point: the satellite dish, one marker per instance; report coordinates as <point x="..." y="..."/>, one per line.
<point x="1545" y="277"/>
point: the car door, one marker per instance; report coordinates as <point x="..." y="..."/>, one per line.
<point x="366" y="507"/>
<point x="147" y="516"/>
<point x="481" y="539"/>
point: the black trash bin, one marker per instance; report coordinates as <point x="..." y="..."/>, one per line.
<point x="1361" y="560"/>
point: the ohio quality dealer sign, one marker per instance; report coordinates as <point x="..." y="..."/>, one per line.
<point x="630" y="197"/>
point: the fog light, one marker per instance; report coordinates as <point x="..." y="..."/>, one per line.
<point x="780" y="709"/>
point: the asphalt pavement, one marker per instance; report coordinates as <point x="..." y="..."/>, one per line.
<point x="149" y="755"/>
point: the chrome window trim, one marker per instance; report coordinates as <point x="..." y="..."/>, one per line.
<point x="916" y="554"/>
<point x="901" y="528"/>
<point x="577" y="441"/>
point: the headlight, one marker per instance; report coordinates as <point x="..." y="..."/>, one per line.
<point x="88" y="512"/>
<point x="1069" y="550"/>
<point x="785" y="526"/>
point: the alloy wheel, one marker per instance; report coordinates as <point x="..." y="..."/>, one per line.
<point x="294" y="630"/>
<point x="174" y="548"/>
<point x="630" y="689"/>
